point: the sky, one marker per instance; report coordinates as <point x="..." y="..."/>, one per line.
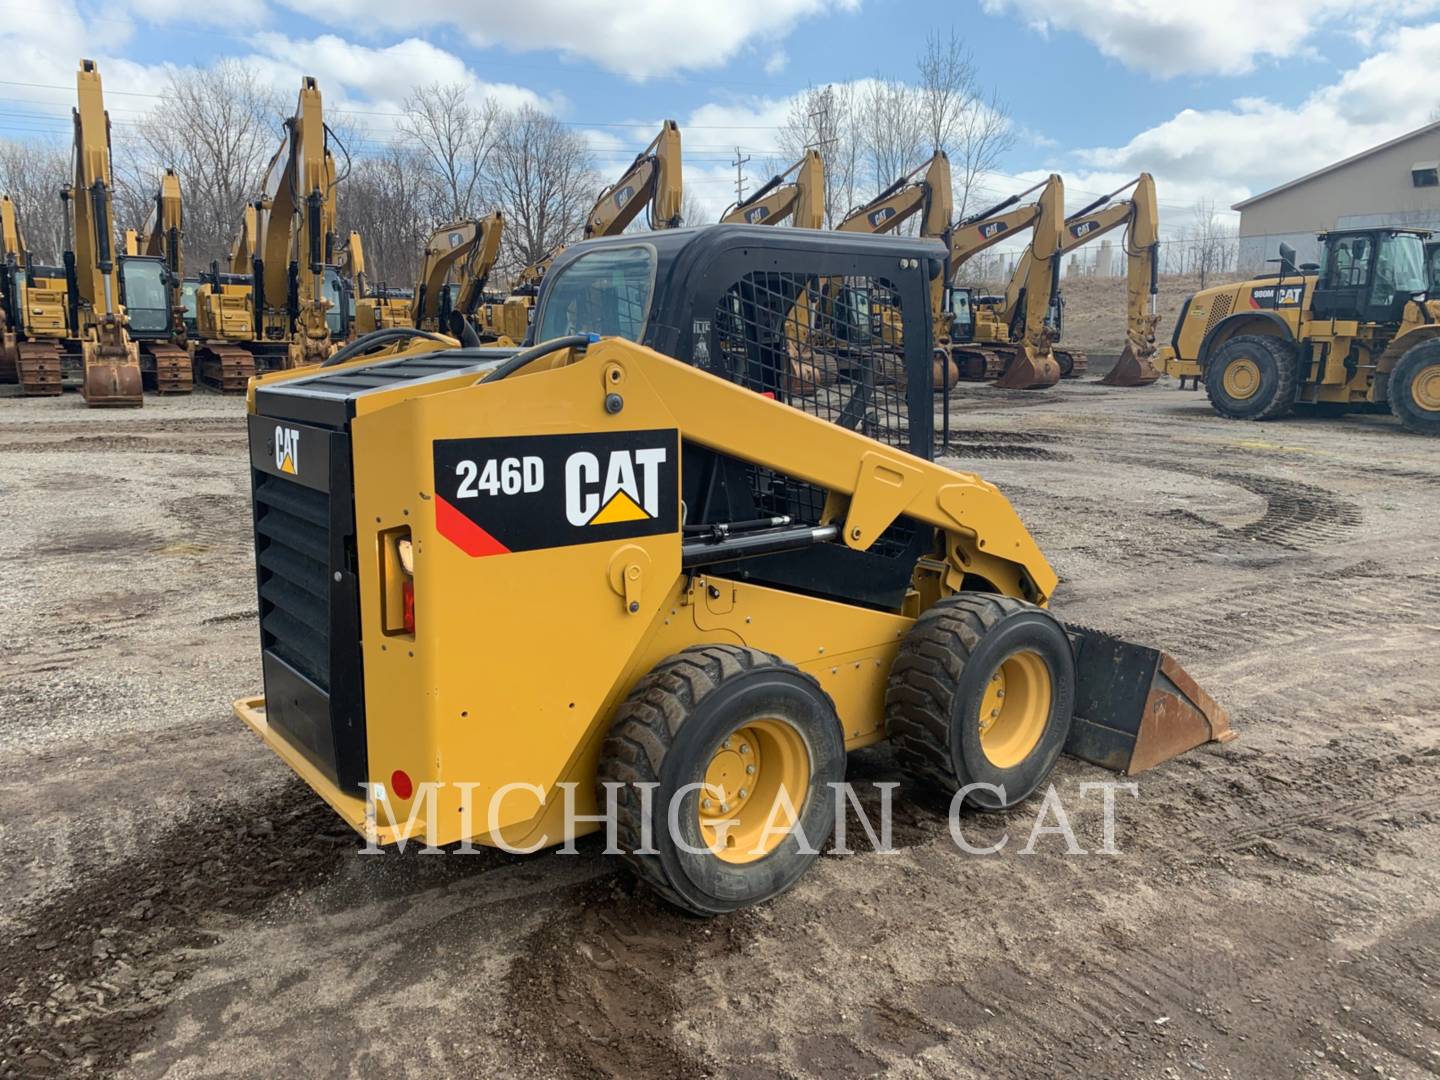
<point x="1218" y="99"/>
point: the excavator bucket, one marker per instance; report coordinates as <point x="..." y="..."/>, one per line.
<point x="1135" y="706"/>
<point x="1132" y="369"/>
<point x="112" y="367"/>
<point x="1029" y="370"/>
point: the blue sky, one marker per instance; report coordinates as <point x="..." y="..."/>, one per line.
<point x="1203" y="95"/>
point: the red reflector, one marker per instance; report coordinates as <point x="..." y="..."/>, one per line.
<point x="768" y="393"/>
<point x="400" y="784"/>
<point x="407" y="606"/>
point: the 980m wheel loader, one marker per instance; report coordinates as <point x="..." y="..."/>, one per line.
<point x="642" y="566"/>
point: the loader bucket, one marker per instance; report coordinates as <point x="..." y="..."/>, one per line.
<point x="1135" y="706"/>
<point x="1029" y="372"/>
<point x="1132" y="369"/>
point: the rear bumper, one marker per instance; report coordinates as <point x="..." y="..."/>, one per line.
<point x="353" y="809"/>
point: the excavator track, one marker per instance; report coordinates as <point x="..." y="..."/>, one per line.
<point x="224" y="368"/>
<point x="37" y="367"/>
<point x="1072" y="363"/>
<point x="979" y="365"/>
<point x="174" y="370"/>
<point x="9" y="359"/>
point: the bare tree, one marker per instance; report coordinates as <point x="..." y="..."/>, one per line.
<point x="1211" y="243"/>
<point x="217" y="127"/>
<point x="542" y="179"/>
<point x="892" y="130"/>
<point x="383" y="199"/>
<point x="455" y="140"/>
<point x="32" y="174"/>
<point x="824" y="118"/>
<point x="972" y="128"/>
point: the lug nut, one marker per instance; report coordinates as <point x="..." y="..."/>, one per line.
<point x="724" y="807"/>
<point x="744" y="792"/>
<point x="707" y="804"/>
<point x="749" y="770"/>
<point x="744" y="748"/>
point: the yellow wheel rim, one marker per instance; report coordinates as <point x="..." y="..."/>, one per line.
<point x="1425" y="388"/>
<point x="1014" y="709"/>
<point x="755" y="786"/>
<point x="1242" y="378"/>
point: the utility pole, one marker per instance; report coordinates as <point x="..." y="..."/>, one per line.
<point x="739" y="164"/>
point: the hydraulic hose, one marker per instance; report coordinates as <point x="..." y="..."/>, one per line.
<point x="545" y="348"/>
<point x="378" y="338"/>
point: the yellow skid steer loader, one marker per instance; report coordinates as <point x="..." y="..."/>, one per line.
<point x="639" y="568"/>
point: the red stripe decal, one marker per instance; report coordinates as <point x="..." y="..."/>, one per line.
<point x="464" y="533"/>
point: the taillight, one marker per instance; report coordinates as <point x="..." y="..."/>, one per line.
<point x="407" y="605"/>
<point x="397" y="581"/>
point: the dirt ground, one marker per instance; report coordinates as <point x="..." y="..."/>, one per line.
<point x="174" y="903"/>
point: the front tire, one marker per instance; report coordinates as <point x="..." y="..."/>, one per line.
<point x="982" y="692"/>
<point x="1253" y="377"/>
<point x="738" y="728"/>
<point x="1414" y="389"/>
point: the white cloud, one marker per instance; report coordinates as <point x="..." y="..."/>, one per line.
<point x="227" y="13"/>
<point x="640" y="39"/>
<point x="776" y="61"/>
<point x="1227" y="37"/>
<point x="1227" y="154"/>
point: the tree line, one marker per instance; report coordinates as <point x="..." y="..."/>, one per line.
<point x="451" y="157"/>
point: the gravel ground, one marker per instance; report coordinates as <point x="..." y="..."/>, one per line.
<point x="175" y="903"/>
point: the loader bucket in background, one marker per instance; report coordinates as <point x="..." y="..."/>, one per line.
<point x="1029" y="371"/>
<point x="1135" y="706"/>
<point x="1132" y="369"/>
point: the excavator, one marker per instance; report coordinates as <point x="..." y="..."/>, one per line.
<point x="966" y="347"/>
<point x="294" y="296"/>
<point x="653" y="183"/>
<point x="225" y="312"/>
<point x="781" y="198"/>
<point x="159" y="331"/>
<point x="36" y="307"/>
<point x="465" y="250"/>
<point x="1140" y="217"/>
<point x="105" y="346"/>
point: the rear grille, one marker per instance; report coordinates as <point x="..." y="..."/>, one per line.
<point x="292" y="539"/>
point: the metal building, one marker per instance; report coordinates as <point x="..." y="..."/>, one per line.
<point x="1396" y="183"/>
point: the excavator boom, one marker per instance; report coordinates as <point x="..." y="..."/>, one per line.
<point x="906" y="197"/>
<point x="801" y="199"/>
<point x="653" y="180"/>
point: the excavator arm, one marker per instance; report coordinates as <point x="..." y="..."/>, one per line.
<point x="447" y="245"/>
<point x="801" y="199"/>
<point x="291" y="233"/>
<point x="475" y="272"/>
<point x="653" y="180"/>
<point x="1140" y="218"/>
<point x="110" y="358"/>
<point x="906" y="197"/>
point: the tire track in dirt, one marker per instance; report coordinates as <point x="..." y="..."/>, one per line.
<point x="601" y="987"/>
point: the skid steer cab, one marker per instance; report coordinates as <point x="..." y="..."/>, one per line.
<point x="667" y="566"/>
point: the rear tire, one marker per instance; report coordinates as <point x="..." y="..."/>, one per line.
<point x="1414" y="389"/>
<point x="1252" y="377"/>
<point x="942" y="709"/>
<point x="745" y="723"/>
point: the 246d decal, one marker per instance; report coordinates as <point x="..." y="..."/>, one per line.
<point x="524" y="493"/>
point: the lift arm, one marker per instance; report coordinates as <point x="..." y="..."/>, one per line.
<point x="351" y="263"/>
<point x="802" y="198"/>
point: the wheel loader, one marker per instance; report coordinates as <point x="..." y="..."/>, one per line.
<point x="1356" y="330"/>
<point x="639" y="569"/>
